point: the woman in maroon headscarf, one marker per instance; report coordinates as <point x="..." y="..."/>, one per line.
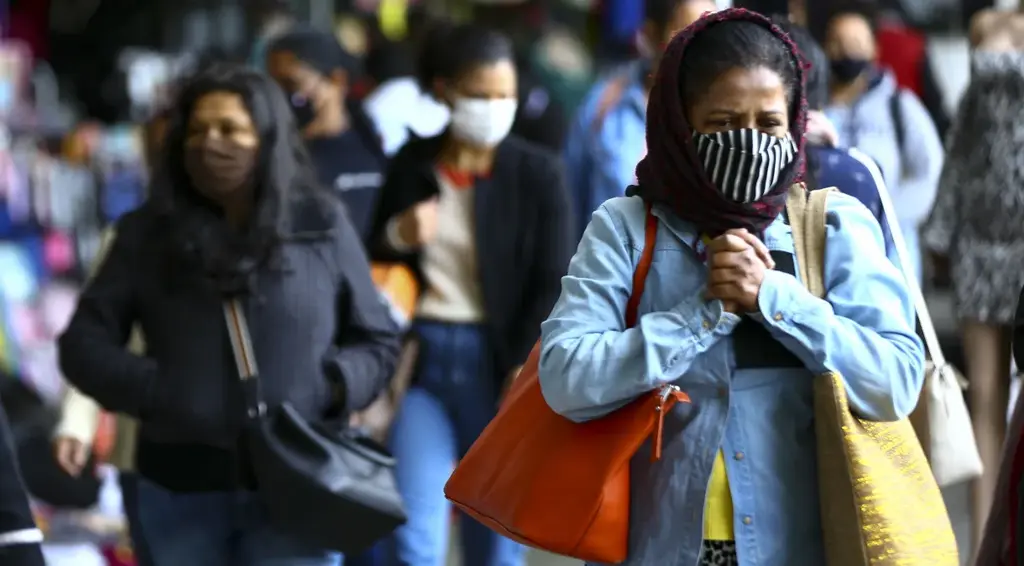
<point x="723" y="315"/>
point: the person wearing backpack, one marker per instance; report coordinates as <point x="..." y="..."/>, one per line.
<point x="829" y="164"/>
<point x="872" y="114"/>
<point x="606" y="138"/>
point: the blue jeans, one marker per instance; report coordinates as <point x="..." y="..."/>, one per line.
<point x="453" y="398"/>
<point x="129" y="497"/>
<point x="217" y="529"/>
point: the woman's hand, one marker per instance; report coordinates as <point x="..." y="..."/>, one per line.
<point x="418" y="224"/>
<point x="72" y="454"/>
<point x="737" y="261"/>
<point x="820" y="130"/>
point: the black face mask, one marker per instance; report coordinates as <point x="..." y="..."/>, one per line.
<point x="302" y="108"/>
<point x="848" y="69"/>
<point x="218" y="167"/>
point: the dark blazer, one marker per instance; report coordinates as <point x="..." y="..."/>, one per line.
<point x="524" y="234"/>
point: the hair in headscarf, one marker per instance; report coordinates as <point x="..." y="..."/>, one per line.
<point x="671" y="173"/>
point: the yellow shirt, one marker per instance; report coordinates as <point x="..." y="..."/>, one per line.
<point x="718" y="513"/>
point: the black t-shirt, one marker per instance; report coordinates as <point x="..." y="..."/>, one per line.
<point x="354" y="169"/>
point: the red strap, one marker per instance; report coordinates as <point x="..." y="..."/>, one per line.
<point x="610" y="97"/>
<point x="669" y="395"/>
<point x="640" y="275"/>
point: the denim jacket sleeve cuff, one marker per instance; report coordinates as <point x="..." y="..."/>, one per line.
<point x="779" y="298"/>
<point x="706" y="319"/>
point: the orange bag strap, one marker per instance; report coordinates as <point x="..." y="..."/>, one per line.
<point x="668" y="395"/>
<point x="642" y="268"/>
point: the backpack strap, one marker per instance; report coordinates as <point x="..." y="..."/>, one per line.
<point x="896" y="111"/>
<point x="611" y="95"/>
<point x="643" y="267"/>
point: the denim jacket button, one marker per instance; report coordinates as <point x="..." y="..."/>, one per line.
<point x="739" y="455"/>
<point x="748" y="520"/>
<point x="778" y="316"/>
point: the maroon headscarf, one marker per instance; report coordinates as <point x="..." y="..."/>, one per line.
<point x="672" y="174"/>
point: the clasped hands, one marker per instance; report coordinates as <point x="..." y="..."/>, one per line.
<point x="737" y="262"/>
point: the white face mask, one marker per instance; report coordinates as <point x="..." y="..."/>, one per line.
<point x="483" y="122"/>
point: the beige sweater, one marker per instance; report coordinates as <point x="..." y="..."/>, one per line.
<point x="80" y="415"/>
<point x="449" y="260"/>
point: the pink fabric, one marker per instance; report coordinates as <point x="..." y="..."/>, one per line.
<point x="58" y="252"/>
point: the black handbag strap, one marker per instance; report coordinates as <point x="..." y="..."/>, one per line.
<point x="245" y="359"/>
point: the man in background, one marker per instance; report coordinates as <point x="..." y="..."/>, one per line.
<point x="315" y="72"/>
<point x="606" y="139"/>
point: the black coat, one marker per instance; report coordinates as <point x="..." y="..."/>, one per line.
<point x="315" y="316"/>
<point x="524" y="234"/>
<point x="15" y="514"/>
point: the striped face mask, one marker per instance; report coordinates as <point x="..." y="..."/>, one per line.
<point x="744" y="164"/>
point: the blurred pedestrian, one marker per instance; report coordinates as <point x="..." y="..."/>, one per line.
<point x="977" y="227"/>
<point x="874" y="115"/>
<point x="75" y="439"/>
<point x="1002" y="541"/>
<point x="484" y="219"/>
<point x="606" y="138"/>
<point x="723" y="317"/>
<point x="316" y="72"/>
<point x="234" y="212"/>
<point x="398" y="104"/>
<point x="828" y="163"/>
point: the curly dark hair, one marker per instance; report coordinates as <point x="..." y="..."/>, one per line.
<point x="193" y="230"/>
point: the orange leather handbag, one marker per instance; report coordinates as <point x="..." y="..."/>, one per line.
<point x="553" y="484"/>
<point x="399" y="285"/>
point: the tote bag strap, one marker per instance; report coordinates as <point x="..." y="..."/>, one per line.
<point x="931" y="337"/>
<point x="643" y="267"/>
<point x="245" y="360"/>
<point x="806" y="210"/>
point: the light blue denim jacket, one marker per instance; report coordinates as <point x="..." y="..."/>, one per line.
<point x="763" y="419"/>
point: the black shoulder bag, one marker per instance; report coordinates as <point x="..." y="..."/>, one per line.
<point x="334" y="489"/>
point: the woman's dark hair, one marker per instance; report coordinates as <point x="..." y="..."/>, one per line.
<point x="736" y="43"/>
<point x="193" y="232"/>
<point x="816" y="89"/>
<point x="452" y="51"/>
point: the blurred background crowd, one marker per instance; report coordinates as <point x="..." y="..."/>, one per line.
<point x="84" y="85"/>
